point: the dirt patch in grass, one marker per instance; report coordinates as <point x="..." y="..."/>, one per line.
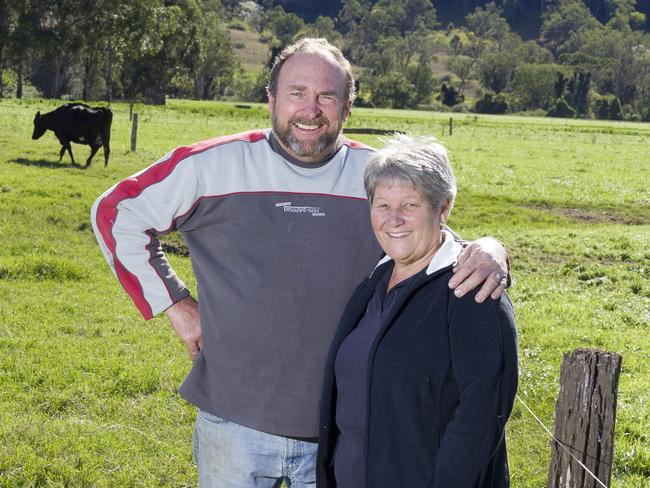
<point x="595" y="216"/>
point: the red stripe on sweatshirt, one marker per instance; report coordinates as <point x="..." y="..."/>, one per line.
<point x="134" y="186"/>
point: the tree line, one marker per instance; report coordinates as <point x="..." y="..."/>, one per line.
<point x="590" y="58"/>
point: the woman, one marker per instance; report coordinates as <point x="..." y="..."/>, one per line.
<point x="418" y="383"/>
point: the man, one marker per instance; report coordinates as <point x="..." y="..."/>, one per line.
<point x="278" y="229"/>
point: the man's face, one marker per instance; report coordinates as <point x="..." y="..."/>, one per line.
<point x="309" y="106"/>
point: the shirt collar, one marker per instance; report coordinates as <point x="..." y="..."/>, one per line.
<point x="447" y="255"/>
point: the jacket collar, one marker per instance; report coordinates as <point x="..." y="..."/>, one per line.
<point x="447" y="255"/>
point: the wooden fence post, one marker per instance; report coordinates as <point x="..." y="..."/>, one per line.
<point x="134" y="131"/>
<point x="585" y="414"/>
<point x="130" y="110"/>
<point x="451" y="125"/>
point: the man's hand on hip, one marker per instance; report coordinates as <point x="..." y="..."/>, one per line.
<point x="185" y="319"/>
<point x="482" y="261"/>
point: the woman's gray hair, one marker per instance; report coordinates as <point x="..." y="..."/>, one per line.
<point x="422" y="162"/>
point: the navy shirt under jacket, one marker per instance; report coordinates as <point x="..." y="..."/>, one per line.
<point x="351" y="371"/>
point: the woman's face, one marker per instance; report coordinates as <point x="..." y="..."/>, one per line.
<point x="406" y="226"/>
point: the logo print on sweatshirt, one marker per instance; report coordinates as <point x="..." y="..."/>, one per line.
<point x="287" y="207"/>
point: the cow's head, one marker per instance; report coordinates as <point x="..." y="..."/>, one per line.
<point x="39" y="126"/>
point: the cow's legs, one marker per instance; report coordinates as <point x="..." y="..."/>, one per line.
<point x="69" y="148"/>
<point x="62" y="152"/>
<point x="93" y="151"/>
<point x="107" y="152"/>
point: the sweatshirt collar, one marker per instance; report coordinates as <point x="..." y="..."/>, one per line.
<point x="277" y="147"/>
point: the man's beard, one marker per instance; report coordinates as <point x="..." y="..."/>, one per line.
<point x="300" y="148"/>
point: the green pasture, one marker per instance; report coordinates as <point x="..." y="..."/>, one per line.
<point x="88" y="388"/>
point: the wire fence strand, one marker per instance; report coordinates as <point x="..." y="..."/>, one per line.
<point x="561" y="444"/>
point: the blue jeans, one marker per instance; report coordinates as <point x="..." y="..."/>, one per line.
<point x="230" y="455"/>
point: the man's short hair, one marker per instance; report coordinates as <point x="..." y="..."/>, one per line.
<point x="312" y="45"/>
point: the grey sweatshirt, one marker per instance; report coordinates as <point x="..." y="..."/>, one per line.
<point x="277" y="249"/>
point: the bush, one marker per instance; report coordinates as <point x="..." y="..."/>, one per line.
<point x="645" y="116"/>
<point x="434" y="106"/>
<point x="601" y="108"/>
<point x="490" y="103"/>
<point x="237" y="24"/>
<point x="615" y="112"/>
<point x="562" y="109"/>
<point x="449" y="96"/>
<point x="460" y="108"/>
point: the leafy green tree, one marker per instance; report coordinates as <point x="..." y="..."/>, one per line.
<point x="532" y="53"/>
<point x="564" y="25"/>
<point x="497" y="70"/>
<point x="388" y="21"/>
<point x="615" y="112"/>
<point x="284" y="26"/>
<point x="59" y="39"/>
<point x="534" y="86"/>
<point x="351" y="13"/>
<point x="394" y="90"/>
<point x="488" y="23"/>
<point x="463" y="67"/>
<point x="214" y="67"/>
<point x="169" y="47"/>
<point x="578" y="92"/>
<point x="324" y="27"/>
<point x="421" y="77"/>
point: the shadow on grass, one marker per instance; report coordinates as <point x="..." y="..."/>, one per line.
<point x="42" y="163"/>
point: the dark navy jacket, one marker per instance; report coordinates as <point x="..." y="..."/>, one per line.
<point x="442" y="381"/>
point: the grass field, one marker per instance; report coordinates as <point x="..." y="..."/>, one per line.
<point x="88" y="388"/>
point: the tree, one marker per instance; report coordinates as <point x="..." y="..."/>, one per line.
<point x="578" y="92"/>
<point x="389" y="20"/>
<point x="169" y="47"/>
<point x="488" y="23"/>
<point x="534" y="86"/>
<point x="615" y="112"/>
<point x="421" y="77"/>
<point x="60" y="40"/>
<point x="351" y="13"/>
<point x="462" y="66"/>
<point x="284" y="26"/>
<point x="564" y="25"/>
<point x="324" y="27"/>
<point x="496" y="71"/>
<point x="393" y="90"/>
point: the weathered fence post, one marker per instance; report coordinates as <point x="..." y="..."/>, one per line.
<point x="585" y="414"/>
<point x="130" y="110"/>
<point x="451" y="125"/>
<point x="134" y="131"/>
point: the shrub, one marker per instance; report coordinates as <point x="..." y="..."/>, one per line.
<point x="237" y="24"/>
<point x="449" y="96"/>
<point x="562" y="109"/>
<point x="490" y="103"/>
<point x="601" y="108"/>
<point x="615" y="112"/>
